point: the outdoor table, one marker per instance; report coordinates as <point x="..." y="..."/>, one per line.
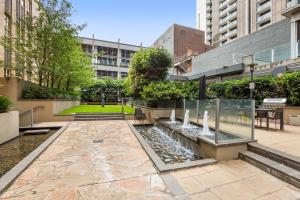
<point x="267" y="111"/>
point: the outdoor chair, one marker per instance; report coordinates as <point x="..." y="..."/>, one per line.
<point x="138" y="114"/>
<point x="276" y="116"/>
<point x="260" y="115"/>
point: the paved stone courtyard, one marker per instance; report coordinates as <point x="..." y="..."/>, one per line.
<point x="103" y="160"/>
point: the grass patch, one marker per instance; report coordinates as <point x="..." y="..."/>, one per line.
<point x="97" y="109"/>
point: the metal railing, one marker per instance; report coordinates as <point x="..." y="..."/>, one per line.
<point x="31" y="111"/>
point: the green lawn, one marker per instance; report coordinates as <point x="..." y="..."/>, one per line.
<point x="97" y="109"/>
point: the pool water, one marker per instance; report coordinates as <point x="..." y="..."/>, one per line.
<point x="169" y="150"/>
<point x="12" y="152"/>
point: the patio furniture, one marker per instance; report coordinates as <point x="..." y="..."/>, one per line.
<point x="272" y="109"/>
<point x="138" y="114"/>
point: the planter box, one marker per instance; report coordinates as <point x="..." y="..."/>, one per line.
<point x="9" y="128"/>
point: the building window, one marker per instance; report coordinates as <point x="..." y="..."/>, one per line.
<point x="104" y="73"/>
<point x="124" y="74"/>
<point x="87" y="48"/>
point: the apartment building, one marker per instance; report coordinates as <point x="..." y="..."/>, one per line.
<point x="110" y="59"/>
<point x="183" y="43"/>
<point x="11" y="12"/>
<point x="227" y="20"/>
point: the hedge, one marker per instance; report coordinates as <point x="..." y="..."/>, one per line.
<point x="288" y="85"/>
<point x="38" y="92"/>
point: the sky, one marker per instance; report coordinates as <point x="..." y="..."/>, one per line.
<point x="133" y="21"/>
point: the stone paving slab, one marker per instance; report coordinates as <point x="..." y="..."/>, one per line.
<point x="76" y="168"/>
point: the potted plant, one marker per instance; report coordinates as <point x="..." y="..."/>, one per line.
<point x="5" y="104"/>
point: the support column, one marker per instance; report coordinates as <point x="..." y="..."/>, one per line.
<point x="294" y="45"/>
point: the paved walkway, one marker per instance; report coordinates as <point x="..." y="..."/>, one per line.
<point x="287" y="141"/>
<point x="117" y="168"/>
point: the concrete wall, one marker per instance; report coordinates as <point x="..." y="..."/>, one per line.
<point x="292" y="115"/>
<point x="59" y="106"/>
<point x="9" y="128"/>
<point x="266" y="38"/>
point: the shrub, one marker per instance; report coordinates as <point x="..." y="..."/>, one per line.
<point x="5" y="104"/>
<point x="39" y="92"/>
<point x="289" y="85"/>
<point x="158" y="92"/>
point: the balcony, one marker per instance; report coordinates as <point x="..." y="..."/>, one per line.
<point x="264" y="17"/>
<point x="223" y="12"/>
<point x="209" y="23"/>
<point x="232" y="7"/>
<point x="223" y="21"/>
<point x="233" y="32"/>
<point x="292" y="7"/>
<point x="223" y="5"/>
<point x="232" y="15"/>
<point x="209" y="9"/>
<point x="223" y="29"/>
<point x="232" y="24"/>
<point x="208" y="37"/>
<point x="208" y="16"/>
<point x="224" y="37"/>
<point x="264" y="7"/>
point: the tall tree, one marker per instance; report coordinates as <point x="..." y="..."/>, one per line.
<point x="147" y="66"/>
<point x="47" y="46"/>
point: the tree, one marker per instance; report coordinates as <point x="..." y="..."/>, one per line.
<point x="46" y="46"/>
<point x="147" y="66"/>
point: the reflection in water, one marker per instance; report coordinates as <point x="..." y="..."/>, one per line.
<point x="12" y="152"/>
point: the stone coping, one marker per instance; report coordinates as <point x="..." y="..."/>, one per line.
<point x="283" y="155"/>
<point x="149" y="108"/>
<point x="160" y="165"/>
<point x="7" y="179"/>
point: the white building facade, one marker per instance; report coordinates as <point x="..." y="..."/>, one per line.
<point x="110" y="59"/>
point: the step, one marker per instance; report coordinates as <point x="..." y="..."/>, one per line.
<point x="83" y="114"/>
<point x="98" y="119"/>
<point x="91" y="116"/>
<point x="272" y="167"/>
<point x="275" y="155"/>
<point x="36" y="132"/>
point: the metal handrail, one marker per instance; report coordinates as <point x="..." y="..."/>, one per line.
<point x="31" y="113"/>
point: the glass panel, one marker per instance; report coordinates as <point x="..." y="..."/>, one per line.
<point x="282" y="52"/>
<point x="210" y="107"/>
<point x="235" y="120"/>
<point x="192" y="106"/>
<point x="179" y="109"/>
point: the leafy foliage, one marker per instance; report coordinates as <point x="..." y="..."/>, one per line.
<point x="46" y="46"/>
<point x="265" y="87"/>
<point x="39" y="92"/>
<point x="165" y="91"/>
<point x="147" y="66"/>
<point x="5" y="104"/>
<point x="111" y="89"/>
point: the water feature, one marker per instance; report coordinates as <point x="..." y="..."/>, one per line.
<point x="186" y="121"/>
<point x="12" y="152"/>
<point x="168" y="145"/>
<point x="205" y="130"/>
<point x="173" y="117"/>
<point x="194" y="131"/>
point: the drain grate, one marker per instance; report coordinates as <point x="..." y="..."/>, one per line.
<point x="97" y="141"/>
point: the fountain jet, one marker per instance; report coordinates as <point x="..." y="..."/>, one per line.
<point x="186" y="121"/>
<point x="205" y="130"/>
<point x="172" y="117"/>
